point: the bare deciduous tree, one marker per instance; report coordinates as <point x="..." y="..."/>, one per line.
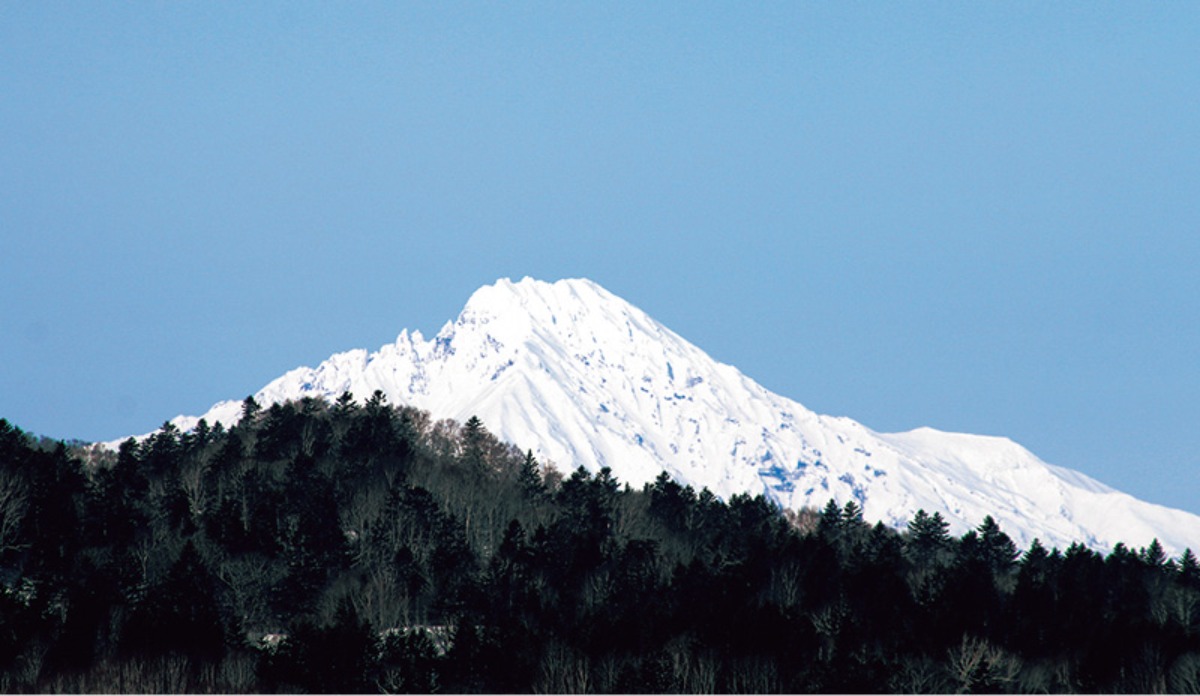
<point x="563" y="671"/>
<point x="14" y="497"/>
<point x="975" y="661"/>
<point x="1184" y="676"/>
<point x="919" y="676"/>
<point x="192" y="482"/>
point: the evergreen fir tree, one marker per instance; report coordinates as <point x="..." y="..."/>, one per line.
<point x="529" y="478"/>
<point x="1189" y="569"/>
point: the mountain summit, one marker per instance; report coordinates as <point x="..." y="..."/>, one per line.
<point x="582" y="377"/>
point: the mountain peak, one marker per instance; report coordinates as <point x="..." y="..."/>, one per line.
<point x="583" y="378"/>
<point x="576" y="316"/>
<point x="536" y="298"/>
<point x="529" y="289"/>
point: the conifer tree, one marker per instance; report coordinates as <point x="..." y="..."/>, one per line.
<point x="529" y="479"/>
<point x="250" y="411"/>
<point x="852" y="515"/>
<point x="474" y="439"/>
<point x="1189" y="569"/>
<point x="928" y="533"/>
<point x="1154" y="555"/>
<point x="830" y="523"/>
<point x="997" y="550"/>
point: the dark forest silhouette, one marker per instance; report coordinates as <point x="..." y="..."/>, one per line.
<point x="347" y="547"/>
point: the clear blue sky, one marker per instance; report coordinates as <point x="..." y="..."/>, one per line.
<point x="981" y="217"/>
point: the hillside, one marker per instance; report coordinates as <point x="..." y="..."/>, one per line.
<point x="358" y="547"/>
<point x="583" y="378"/>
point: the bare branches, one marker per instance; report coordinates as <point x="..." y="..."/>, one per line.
<point x="14" y="500"/>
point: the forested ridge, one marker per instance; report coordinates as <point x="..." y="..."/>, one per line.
<point x="362" y="547"/>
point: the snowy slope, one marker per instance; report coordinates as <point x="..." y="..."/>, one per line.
<point x="582" y="377"/>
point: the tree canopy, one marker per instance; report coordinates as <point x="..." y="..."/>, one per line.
<point x="318" y="547"/>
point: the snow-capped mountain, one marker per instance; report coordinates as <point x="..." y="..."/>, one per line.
<point x="582" y="377"/>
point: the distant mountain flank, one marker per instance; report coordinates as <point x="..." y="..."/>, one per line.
<point x="583" y="378"/>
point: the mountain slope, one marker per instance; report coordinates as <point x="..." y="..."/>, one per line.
<point x="584" y="378"/>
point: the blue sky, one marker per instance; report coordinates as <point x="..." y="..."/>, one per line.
<point x="981" y="217"/>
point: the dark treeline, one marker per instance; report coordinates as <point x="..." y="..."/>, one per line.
<point x="345" y="547"/>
